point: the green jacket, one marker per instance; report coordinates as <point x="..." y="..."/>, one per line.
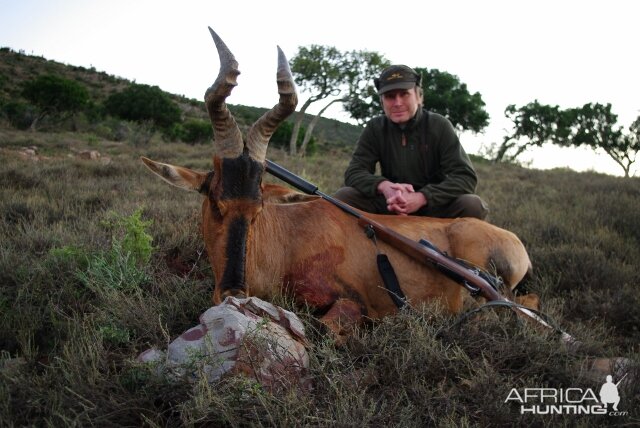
<point x="426" y="154"/>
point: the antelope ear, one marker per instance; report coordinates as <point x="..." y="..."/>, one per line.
<point x="281" y="195"/>
<point x="178" y="176"/>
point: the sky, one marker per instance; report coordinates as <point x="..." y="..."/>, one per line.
<point x="559" y="52"/>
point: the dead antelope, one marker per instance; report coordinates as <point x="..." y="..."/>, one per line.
<point x="266" y="240"/>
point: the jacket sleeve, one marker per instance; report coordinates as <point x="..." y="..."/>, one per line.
<point x="360" y="173"/>
<point x="457" y="175"/>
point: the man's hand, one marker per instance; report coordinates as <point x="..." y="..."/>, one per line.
<point x="401" y="198"/>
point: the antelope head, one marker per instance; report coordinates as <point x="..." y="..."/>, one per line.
<point x="233" y="189"/>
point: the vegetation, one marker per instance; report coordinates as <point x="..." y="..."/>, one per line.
<point x="116" y="114"/>
<point x="347" y="77"/>
<point x="593" y="125"/>
<point x="84" y="291"/>
<point x="141" y="103"/>
<point x="326" y="72"/>
<point x="444" y="93"/>
<point x="55" y="95"/>
<point x="318" y="69"/>
<point x="101" y="261"/>
<point x="192" y="131"/>
<point x="282" y="138"/>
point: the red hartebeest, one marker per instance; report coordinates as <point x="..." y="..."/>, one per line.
<point x="266" y="240"/>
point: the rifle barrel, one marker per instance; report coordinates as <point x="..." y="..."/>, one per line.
<point x="290" y="178"/>
<point x="625" y="375"/>
<point x="306" y="186"/>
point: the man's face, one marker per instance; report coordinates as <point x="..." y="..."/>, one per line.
<point x="400" y="105"/>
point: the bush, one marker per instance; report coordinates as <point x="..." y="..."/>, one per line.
<point x="20" y="115"/>
<point x="114" y="270"/>
<point x="55" y="95"/>
<point x="135" y="240"/>
<point x="120" y="267"/>
<point x="143" y="103"/>
<point x="192" y="131"/>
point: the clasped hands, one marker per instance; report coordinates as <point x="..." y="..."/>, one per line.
<point x="401" y="198"/>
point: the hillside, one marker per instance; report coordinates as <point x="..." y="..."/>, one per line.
<point x="17" y="68"/>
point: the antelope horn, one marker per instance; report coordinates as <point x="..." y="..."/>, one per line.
<point x="227" y="138"/>
<point x="260" y="133"/>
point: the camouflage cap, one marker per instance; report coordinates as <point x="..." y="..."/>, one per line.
<point x="396" y="77"/>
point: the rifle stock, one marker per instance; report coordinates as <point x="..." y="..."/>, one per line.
<point x="425" y="255"/>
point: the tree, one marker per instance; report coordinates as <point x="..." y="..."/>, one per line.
<point x="534" y="124"/>
<point x="282" y="136"/>
<point x="308" y="133"/>
<point x="592" y="125"/>
<point x="143" y="103"/>
<point x="326" y="72"/>
<point x="363" y="101"/>
<point x="444" y="93"/>
<point x="319" y="70"/>
<point x="55" y="96"/>
<point x="633" y="143"/>
<point x="595" y="126"/>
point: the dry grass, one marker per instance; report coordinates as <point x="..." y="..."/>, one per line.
<point x="69" y="333"/>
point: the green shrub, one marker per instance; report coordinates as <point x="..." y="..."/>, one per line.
<point x="55" y="95"/>
<point x="130" y="235"/>
<point x="113" y="270"/>
<point x="114" y="334"/>
<point x="69" y="255"/>
<point x="136" y="240"/>
<point x="20" y="114"/>
<point x="113" y="129"/>
<point x="122" y="267"/>
<point x="140" y="134"/>
<point x="142" y="103"/>
<point x="196" y="131"/>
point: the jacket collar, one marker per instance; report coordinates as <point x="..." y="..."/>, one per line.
<point x="410" y="124"/>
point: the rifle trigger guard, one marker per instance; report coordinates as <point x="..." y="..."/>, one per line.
<point x="473" y="290"/>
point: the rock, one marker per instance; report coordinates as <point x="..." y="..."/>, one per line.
<point x="248" y="337"/>
<point x="29" y="153"/>
<point x="88" y="155"/>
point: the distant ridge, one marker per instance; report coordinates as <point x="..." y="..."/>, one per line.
<point x="16" y="68"/>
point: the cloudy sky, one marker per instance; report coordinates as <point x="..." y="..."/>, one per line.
<point x="560" y="52"/>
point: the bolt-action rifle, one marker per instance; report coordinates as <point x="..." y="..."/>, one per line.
<point x="477" y="282"/>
